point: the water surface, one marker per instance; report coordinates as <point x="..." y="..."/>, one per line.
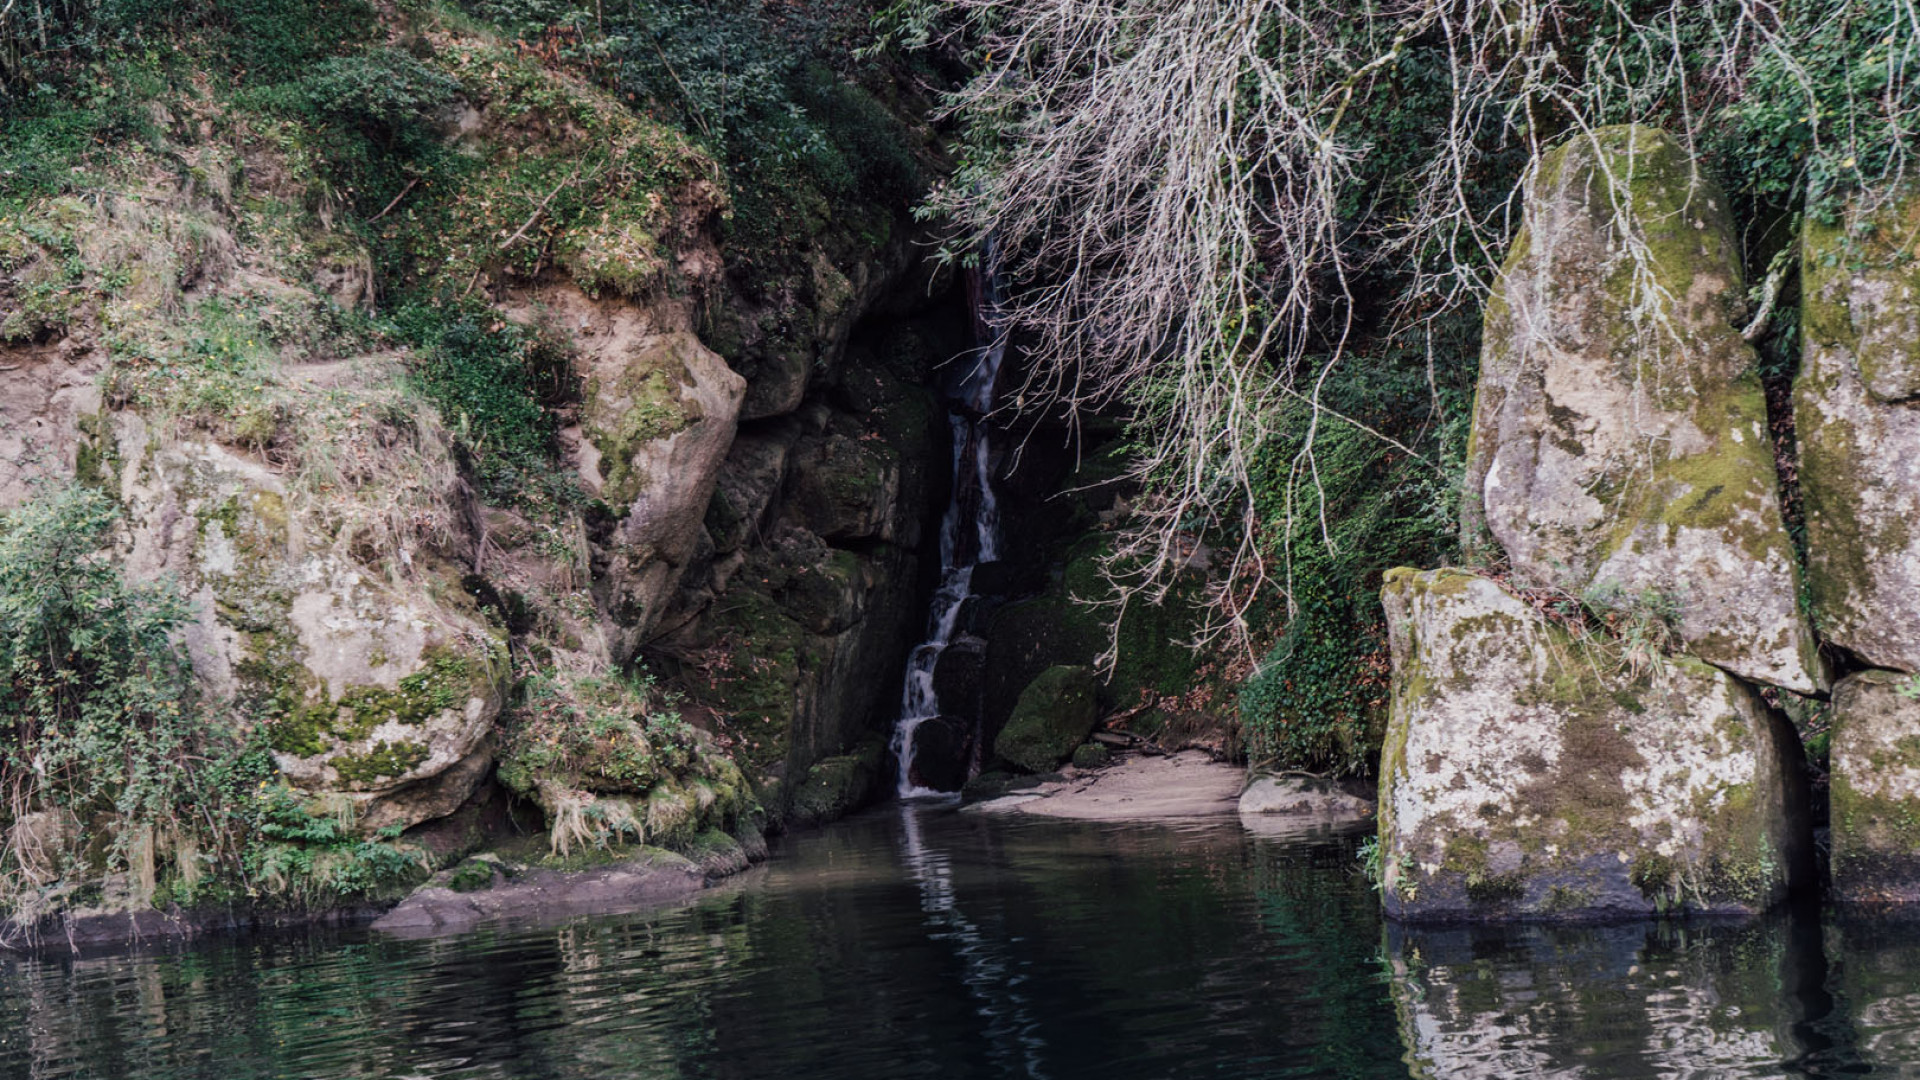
<point x="924" y="943"/>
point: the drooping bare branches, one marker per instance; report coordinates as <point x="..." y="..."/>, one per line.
<point x="1176" y="188"/>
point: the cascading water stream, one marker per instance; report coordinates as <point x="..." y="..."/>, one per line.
<point x="969" y="530"/>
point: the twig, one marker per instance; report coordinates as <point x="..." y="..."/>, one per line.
<point x="521" y="232"/>
<point x="395" y="202"/>
<point x="1783" y="264"/>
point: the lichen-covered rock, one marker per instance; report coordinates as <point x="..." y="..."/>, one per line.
<point x="1526" y="774"/>
<point x="368" y="685"/>
<point x="1055" y="714"/>
<point x="1875" y="808"/>
<point x="1620" y="432"/>
<point x="1859" y="434"/>
<point x="658" y="420"/>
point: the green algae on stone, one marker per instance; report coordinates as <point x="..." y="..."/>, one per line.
<point x="383" y="761"/>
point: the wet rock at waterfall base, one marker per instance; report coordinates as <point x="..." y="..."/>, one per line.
<point x="1620" y="445"/>
<point x="942" y="750"/>
<point x="1055" y="713"/>
<point x="1004" y="579"/>
<point x="1875" y="789"/>
<point x="834" y="787"/>
<point x="956" y="677"/>
<point x="1531" y="773"/>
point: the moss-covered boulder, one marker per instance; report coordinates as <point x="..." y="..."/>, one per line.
<point x="380" y="687"/>
<point x="1875" y="809"/>
<point x="1859" y="435"/>
<point x="1530" y="773"/>
<point x="1619" y="444"/>
<point x="1055" y="714"/>
<point x="836" y="786"/>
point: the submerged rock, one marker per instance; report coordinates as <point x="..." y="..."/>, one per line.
<point x="1055" y="714"/>
<point x="1527" y="774"/>
<point x="1859" y="435"/>
<point x="1619" y="447"/>
<point x="1876" y="789"/>
<point x="1303" y="797"/>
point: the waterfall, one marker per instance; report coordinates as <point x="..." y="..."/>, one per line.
<point x="970" y="528"/>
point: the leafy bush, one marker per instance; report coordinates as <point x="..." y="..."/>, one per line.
<point x="607" y="734"/>
<point x="97" y="709"/>
<point x="760" y="85"/>
<point x="1341" y="511"/>
<point x="488" y="377"/>
<point x="310" y="851"/>
<point x="383" y="90"/>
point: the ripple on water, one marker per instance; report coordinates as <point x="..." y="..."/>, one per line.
<point x="923" y="943"/>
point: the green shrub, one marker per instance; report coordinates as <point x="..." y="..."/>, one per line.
<point x="1345" y="513"/>
<point x="385" y="91"/>
<point x="487" y="376"/>
<point x="309" y="851"/>
<point x="97" y="711"/>
<point x="611" y="734"/>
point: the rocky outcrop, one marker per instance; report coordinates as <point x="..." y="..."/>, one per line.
<point x="1529" y="773"/>
<point x="659" y="419"/>
<point x="1055" y="714"/>
<point x="797" y="614"/>
<point x="1619" y="449"/>
<point x="1875" y="788"/>
<point x="1858" y="428"/>
<point x="376" y="686"/>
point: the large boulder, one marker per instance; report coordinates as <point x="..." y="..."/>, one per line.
<point x="380" y="687"/>
<point x="1530" y="773"/>
<point x="1859" y="434"/>
<point x="1875" y="809"/>
<point x="1619" y="445"/>
<point x="1055" y="713"/>
<point x="658" y="419"/>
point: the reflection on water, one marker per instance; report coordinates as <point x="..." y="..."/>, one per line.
<point x="918" y="942"/>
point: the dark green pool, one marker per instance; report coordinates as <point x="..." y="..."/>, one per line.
<point x="924" y="943"/>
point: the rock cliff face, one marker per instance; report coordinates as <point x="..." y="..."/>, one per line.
<point x="1859" y="448"/>
<point x="1620" y="433"/>
<point x="736" y="493"/>
<point x="1859" y="437"/>
<point x="1530" y="773"/>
